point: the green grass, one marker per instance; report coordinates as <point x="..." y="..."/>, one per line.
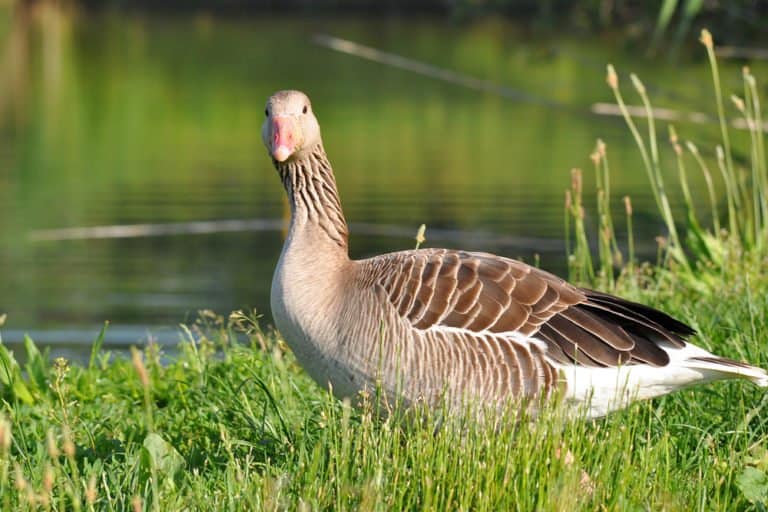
<point x="231" y="422"/>
<point x="237" y="425"/>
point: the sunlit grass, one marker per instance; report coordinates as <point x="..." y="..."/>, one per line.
<point x="231" y="422"/>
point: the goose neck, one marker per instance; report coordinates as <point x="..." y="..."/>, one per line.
<point x="314" y="200"/>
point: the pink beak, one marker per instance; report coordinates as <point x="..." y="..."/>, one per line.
<point x="283" y="138"/>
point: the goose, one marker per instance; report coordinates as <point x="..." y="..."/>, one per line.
<point x="443" y="326"/>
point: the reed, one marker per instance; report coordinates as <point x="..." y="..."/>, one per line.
<point x="705" y="246"/>
<point x="580" y="260"/>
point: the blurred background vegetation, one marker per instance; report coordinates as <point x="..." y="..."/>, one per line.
<point x="739" y="21"/>
<point x="123" y="113"/>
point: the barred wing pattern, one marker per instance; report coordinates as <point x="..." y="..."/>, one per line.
<point x="470" y="296"/>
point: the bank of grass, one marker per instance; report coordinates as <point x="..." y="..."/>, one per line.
<point x="231" y="422"/>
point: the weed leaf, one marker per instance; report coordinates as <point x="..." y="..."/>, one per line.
<point x="753" y="483"/>
<point x="160" y="454"/>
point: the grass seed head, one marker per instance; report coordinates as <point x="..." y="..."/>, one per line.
<point x="90" y="491"/>
<point x="738" y="102"/>
<point x="576" y="181"/>
<point x="601" y="148"/>
<point x="67" y="445"/>
<point x="672" y="134"/>
<point x="611" y="79"/>
<point x="586" y="483"/>
<point x="48" y="478"/>
<point x="5" y="434"/>
<point x="138" y="364"/>
<point x="706" y="39"/>
<point x="53" y="450"/>
<point x="628" y="205"/>
<point x="19" y="481"/>
<point x="639" y="86"/>
<point x="567" y="458"/>
<point x="420" y="234"/>
<point x="60" y="370"/>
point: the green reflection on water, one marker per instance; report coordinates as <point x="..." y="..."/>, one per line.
<point x="129" y="119"/>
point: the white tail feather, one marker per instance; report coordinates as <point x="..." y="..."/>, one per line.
<point x="726" y="370"/>
<point x="602" y="390"/>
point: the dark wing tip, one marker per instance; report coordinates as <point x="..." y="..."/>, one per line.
<point x="644" y="312"/>
<point x="607" y="331"/>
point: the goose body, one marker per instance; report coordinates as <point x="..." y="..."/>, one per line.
<point x="446" y="326"/>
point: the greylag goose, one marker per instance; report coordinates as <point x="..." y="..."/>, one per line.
<point x="446" y="326"/>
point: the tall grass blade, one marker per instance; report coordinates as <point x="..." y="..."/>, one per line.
<point x="666" y="12"/>
<point x="581" y="264"/>
<point x="650" y="160"/>
<point x="707" y="41"/>
<point x="630" y="236"/>
<point x="710" y="185"/>
<point x="683" y="176"/>
<point x="690" y="10"/>
<point x="731" y="191"/>
<point x="97" y="344"/>
<point x="745" y="107"/>
<point x="760" y="165"/>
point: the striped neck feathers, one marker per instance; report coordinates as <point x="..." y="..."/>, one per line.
<point x="313" y="195"/>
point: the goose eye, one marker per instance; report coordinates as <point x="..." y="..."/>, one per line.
<point x="304" y="110"/>
<point x="266" y="112"/>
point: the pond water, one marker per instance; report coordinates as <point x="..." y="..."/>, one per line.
<point x="113" y="120"/>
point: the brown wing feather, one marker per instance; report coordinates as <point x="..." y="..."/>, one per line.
<point x="482" y="292"/>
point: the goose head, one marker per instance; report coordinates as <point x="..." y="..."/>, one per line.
<point x="290" y="128"/>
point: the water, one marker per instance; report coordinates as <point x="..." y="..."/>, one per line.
<point x="128" y="119"/>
